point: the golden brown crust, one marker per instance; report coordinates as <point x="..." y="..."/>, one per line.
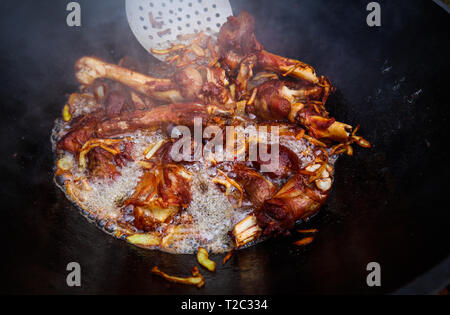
<point x="101" y="152"/>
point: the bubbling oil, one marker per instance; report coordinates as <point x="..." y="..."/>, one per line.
<point x="212" y="214"/>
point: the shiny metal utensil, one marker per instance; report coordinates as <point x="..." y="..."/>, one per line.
<point x="159" y="23"/>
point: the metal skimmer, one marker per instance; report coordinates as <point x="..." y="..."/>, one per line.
<point x="158" y="24"/>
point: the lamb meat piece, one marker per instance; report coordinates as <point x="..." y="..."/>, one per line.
<point x="115" y="102"/>
<point x="287" y="163"/>
<point x="296" y="200"/>
<point x="189" y="82"/>
<point x="285" y="100"/>
<point x="231" y="60"/>
<point x="95" y="125"/>
<point x="159" y="195"/>
<point x="82" y="129"/>
<point x="101" y="164"/>
<point x="237" y="34"/>
<point x="175" y="189"/>
<point x="257" y="188"/>
<point x="178" y="114"/>
<point x="269" y="103"/>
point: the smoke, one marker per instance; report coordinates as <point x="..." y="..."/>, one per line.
<point x="332" y="36"/>
<point x="37" y="54"/>
<point x="38" y="51"/>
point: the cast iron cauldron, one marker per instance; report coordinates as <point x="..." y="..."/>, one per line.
<point x="388" y="205"/>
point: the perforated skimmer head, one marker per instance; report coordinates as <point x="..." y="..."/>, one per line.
<point x="157" y="23"/>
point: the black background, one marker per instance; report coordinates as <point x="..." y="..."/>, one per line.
<point x="389" y="203"/>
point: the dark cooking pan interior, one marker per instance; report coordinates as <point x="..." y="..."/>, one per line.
<point x="388" y="205"/>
